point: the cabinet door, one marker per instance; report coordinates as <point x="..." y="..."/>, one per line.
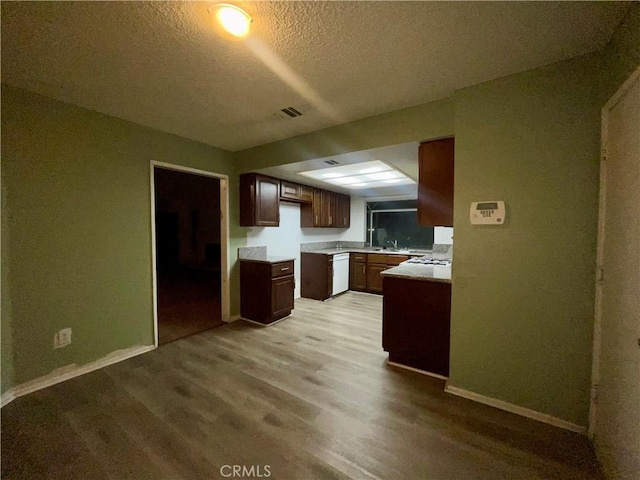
<point x="282" y="296"/>
<point x="374" y="279"/>
<point x="306" y="193"/>
<point x="327" y="208"/>
<point x="358" y="276"/>
<point x="435" y="186"/>
<point x="343" y="211"/>
<point x="317" y="207"/>
<point x="267" y="201"/>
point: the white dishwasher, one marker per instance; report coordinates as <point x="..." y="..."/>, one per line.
<point x="340" y="273"/>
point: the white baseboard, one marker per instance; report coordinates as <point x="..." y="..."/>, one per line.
<point x="510" y="407"/>
<point x="68" y="372"/>
<point x="417" y="370"/>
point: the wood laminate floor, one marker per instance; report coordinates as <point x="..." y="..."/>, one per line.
<point x="310" y="397"/>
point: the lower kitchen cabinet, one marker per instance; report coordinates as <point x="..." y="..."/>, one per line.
<point x="266" y="289"/>
<point x="378" y="263"/>
<point x="358" y="272"/>
<point x="416" y="323"/>
<point x="374" y="279"/>
<point x="316" y="275"/>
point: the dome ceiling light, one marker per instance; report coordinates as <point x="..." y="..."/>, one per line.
<point x="231" y="21"/>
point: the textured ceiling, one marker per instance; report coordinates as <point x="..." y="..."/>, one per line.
<point x="160" y="64"/>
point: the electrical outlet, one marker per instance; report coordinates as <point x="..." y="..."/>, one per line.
<point x="62" y="338"/>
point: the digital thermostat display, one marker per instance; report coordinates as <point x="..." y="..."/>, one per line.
<point x="487" y="213"/>
<point x="487" y="206"/>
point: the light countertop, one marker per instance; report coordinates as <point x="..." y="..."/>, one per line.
<point x="412" y="253"/>
<point x="431" y="273"/>
<point x="267" y="259"/>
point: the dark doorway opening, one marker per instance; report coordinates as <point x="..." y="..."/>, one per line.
<point x="188" y="261"/>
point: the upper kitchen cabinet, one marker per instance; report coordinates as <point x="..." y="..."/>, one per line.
<point x="435" y="187"/>
<point x="328" y="209"/>
<point x="259" y="201"/>
<point x="294" y="192"/>
<point x="342" y="217"/>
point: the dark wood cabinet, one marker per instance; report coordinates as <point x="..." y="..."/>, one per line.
<point x="435" y="186"/>
<point x="295" y="192"/>
<point x="342" y="216"/>
<point x="259" y="201"/>
<point x="328" y="209"/>
<point x="318" y="213"/>
<point x="416" y="323"/>
<point x="316" y="275"/>
<point x="260" y="197"/>
<point x="282" y="296"/>
<point x="266" y="290"/>
<point x="377" y="263"/>
<point x="358" y="271"/>
<point x="374" y="279"/>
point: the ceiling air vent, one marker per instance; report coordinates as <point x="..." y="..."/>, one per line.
<point x="331" y="162"/>
<point x="291" y="112"/>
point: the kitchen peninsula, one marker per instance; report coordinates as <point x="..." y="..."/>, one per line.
<point x="416" y="316"/>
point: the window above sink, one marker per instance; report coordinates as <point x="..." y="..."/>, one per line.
<point x="393" y="225"/>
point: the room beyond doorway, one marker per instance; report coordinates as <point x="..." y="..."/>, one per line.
<point x="188" y="254"/>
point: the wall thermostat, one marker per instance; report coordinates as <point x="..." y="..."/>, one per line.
<point x="487" y="213"/>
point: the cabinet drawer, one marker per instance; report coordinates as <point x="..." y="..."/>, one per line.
<point x="359" y="257"/>
<point x="396" y="259"/>
<point x="378" y="258"/>
<point x="281" y="269"/>
<point x="387" y="259"/>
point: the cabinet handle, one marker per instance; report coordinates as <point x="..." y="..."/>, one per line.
<point x="317" y="220"/>
<point x="284" y="269"/>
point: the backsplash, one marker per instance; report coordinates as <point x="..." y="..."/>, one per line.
<point x="251" y="252"/>
<point x="308" y="247"/>
<point x="442" y="248"/>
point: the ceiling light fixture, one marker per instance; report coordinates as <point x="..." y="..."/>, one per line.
<point x="372" y="174"/>
<point x="371" y="170"/>
<point x="383" y="175"/>
<point x="233" y="20"/>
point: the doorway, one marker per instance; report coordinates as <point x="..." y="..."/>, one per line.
<point x="189" y="237"/>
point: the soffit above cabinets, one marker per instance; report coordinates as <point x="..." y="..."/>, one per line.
<point x="401" y="158"/>
<point x="160" y="64"/>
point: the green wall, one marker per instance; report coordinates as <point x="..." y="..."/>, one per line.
<point x="523" y="293"/>
<point x="77" y="206"/>
<point x="522" y="297"/>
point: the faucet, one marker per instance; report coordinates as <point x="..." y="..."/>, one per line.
<point x="394" y="243"/>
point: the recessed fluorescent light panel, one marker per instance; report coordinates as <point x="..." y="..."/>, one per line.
<point x="360" y="175"/>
